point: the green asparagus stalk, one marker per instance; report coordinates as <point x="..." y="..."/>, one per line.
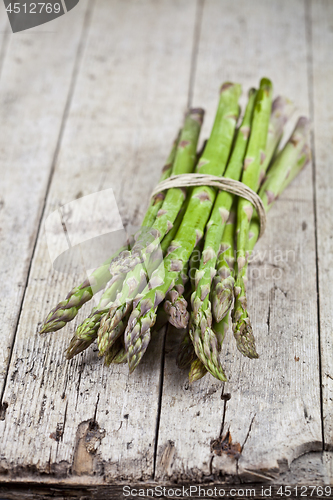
<point x="175" y="304"/>
<point x="253" y="163"/>
<point x="282" y="109"/>
<point x="223" y="283"/>
<point x="133" y="284"/>
<point x="197" y="370"/>
<point x="169" y="237"/>
<point x="202" y="317"/>
<point x="194" y="263"/>
<point x="184" y="163"/>
<point x="293" y="157"/>
<point x="116" y="354"/>
<point x="220" y="328"/>
<point x="106" y="337"/>
<point x="86" y="333"/>
<point x="88" y="330"/>
<point x="186" y="353"/>
<point x="121" y="357"/>
<point x="67" y="309"/>
<point x="213" y="162"/>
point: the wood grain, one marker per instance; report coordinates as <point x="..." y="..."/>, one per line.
<point x="270" y="407"/>
<point x="313" y="465"/>
<point x="128" y="103"/>
<point x="321" y="36"/>
<point x="115" y="93"/>
<point x="36" y="76"/>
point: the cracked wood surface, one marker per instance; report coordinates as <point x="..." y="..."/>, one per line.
<point x="127" y="75"/>
<point x="311" y="465"/>
<point x="321" y="75"/>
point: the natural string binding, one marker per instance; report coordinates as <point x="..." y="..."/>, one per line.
<point x="230" y="185"/>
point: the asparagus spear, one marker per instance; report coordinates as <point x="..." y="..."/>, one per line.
<point x="88" y="330"/>
<point x="197" y="370"/>
<point x="294" y="156"/>
<point x="253" y="163"/>
<point x="223" y="283"/>
<point x="116" y="354"/>
<point x="184" y="163"/>
<point x="116" y="334"/>
<point x="282" y="109"/>
<point x="133" y="284"/>
<point x="186" y="353"/>
<point x="220" y="328"/>
<point x="169" y="237"/>
<point x="201" y="306"/>
<point x="175" y="304"/>
<point x="67" y="309"/>
<point x="186" y="357"/>
<point x="213" y="162"/>
<point x="86" y="333"/>
<point x="201" y="321"/>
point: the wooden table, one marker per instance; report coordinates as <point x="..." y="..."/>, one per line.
<point x="91" y="101"/>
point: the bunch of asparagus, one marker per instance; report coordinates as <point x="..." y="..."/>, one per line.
<point x="187" y="265"/>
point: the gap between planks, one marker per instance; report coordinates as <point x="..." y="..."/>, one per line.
<point x="309" y="43"/>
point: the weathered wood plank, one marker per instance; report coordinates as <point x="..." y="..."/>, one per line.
<point x="5" y="32"/>
<point x="310" y="469"/>
<point x="317" y="486"/>
<point x="321" y="35"/>
<point x="128" y="103"/>
<point x="271" y="406"/>
<point x="328" y="462"/>
<point x="36" y="77"/>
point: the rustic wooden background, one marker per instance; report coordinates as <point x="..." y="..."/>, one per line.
<point x="93" y="100"/>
